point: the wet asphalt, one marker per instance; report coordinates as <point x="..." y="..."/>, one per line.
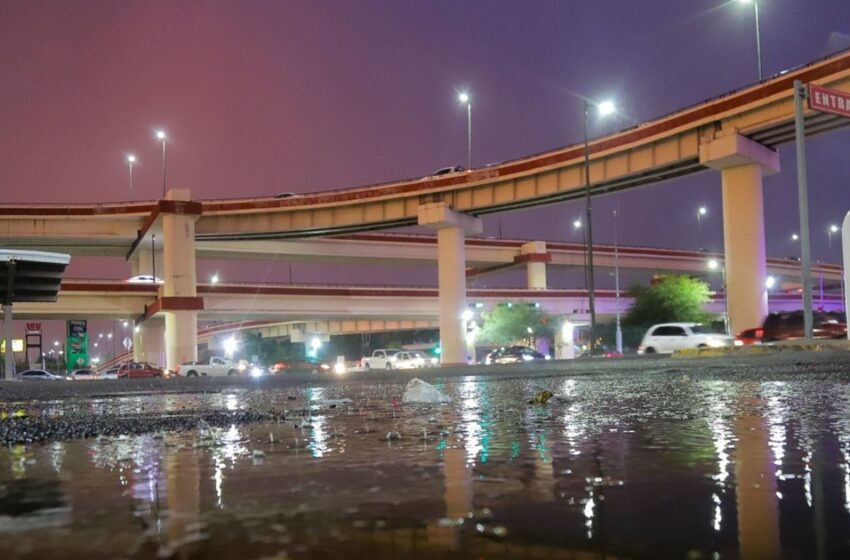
<point x="43" y="411"/>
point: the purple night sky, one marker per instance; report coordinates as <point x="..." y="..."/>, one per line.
<point x="264" y="97"/>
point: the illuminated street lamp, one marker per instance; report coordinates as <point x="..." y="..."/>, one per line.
<point x="577" y="224"/>
<point x="755" y="4"/>
<point x="770" y="282"/>
<point x="701" y="211"/>
<point x="604" y="108"/>
<point x="464" y="98"/>
<point x="161" y="136"/>
<point x="131" y="161"/>
<point x="795" y="237"/>
<point x="832" y="229"/>
<point x="214" y="279"/>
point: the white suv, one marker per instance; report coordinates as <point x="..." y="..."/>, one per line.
<point x="669" y="337"/>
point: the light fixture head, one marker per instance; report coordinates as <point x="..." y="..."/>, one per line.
<point x="160" y="134"/>
<point x="131" y="158"/>
<point x="463" y="97"/>
<point x="606" y="108"/>
<point x="713" y="264"/>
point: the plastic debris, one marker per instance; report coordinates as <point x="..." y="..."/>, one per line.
<point x="418" y="391"/>
<point x="542" y="397"/>
<point x="393" y="435"/>
<point x="257" y="454"/>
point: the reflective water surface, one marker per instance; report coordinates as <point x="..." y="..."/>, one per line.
<point x="624" y="467"/>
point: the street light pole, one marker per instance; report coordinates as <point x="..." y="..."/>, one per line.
<point x="758" y="34"/>
<point x="701" y="211"/>
<point x="131" y="161"/>
<point x="160" y="134"/>
<point x="604" y="108"/>
<point x="619" y="333"/>
<point x="803" y="202"/>
<point x="464" y="98"/>
<point x="588" y="234"/>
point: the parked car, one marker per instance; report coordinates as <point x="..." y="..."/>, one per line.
<point x="39" y="375"/>
<point x="750" y="336"/>
<point x="380" y="359"/>
<point x="138" y="369"/>
<point x="789" y="326"/>
<point x="111" y="373"/>
<point x="84" y="373"/>
<point x="409" y="360"/>
<point x="513" y="355"/>
<point x="212" y="367"/>
<point x="666" y="338"/>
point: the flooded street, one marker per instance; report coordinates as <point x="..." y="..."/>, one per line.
<point x="631" y="464"/>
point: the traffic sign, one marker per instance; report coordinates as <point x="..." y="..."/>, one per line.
<point x="829" y="100"/>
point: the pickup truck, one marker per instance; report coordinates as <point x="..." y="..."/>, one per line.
<point x="380" y="359"/>
<point x="213" y="367"/>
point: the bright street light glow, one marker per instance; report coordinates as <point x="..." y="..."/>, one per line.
<point x="794" y="237"/>
<point x="466" y="315"/>
<point x="131" y="158"/>
<point x="125" y="324"/>
<point x="606" y="108"/>
<point x="214" y="279"/>
<point x="315" y="344"/>
<point x="230" y="346"/>
<point x="770" y="282"/>
<point x="713" y="264"/>
<point x="463" y="97"/>
<point x="160" y="134"/>
<point x="702" y="211"/>
<point x="576" y="224"/>
<point x="833" y="228"/>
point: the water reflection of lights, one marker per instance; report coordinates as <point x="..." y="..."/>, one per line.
<point x="218" y="477"/>
<point x="231" y="402"/>
<point x="589" y="507"/>
<point x="777" y="417"/>
<point x="718" y="513"/>
<point x="469" y="392"/>
<point x="318" y="445"/>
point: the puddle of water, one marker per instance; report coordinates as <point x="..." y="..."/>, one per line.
<point x="621" y="468"/>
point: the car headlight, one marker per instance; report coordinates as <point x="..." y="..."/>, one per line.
<point x="339" y="368"/>
<point x="325" y="367"/>
<point x="715" y="343"/>
<point x="527" y="358"/>
<point x="435" y="361"/>
<point x="256" y="371"/>
<point x="739" y="343"/>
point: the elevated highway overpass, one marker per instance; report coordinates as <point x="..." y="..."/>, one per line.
<point x="735" y="133"/>
<point x="300" y="312"/>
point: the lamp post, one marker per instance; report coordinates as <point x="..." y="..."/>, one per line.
<point x="714" y="265"/>
<point x="701" y="211"/>
<point x="160" y="134"/>
<point x="464" y="98"/>
<point x="832" y="229"/>
<point x="758" y="32"/>
<point x="604" y="108"/>
<point x="131" y="161"/>
<point x="618" y="336"/>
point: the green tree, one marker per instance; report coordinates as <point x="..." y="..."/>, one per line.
<point x="674" y="299"/>
<point x="509" y="323"/>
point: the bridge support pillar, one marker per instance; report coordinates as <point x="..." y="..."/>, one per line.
<point x="535" y="257"/>
<point x="149" y="342"/>
<point x="451" y="228"/>
<point x="742" y="164"/>
<point x="179" y="284"/>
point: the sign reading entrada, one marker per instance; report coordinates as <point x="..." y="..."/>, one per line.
<point x="829" y="100"/>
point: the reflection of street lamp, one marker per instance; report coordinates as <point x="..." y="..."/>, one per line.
<point x="464" y="98"/>
<point x="605" y="108"/>
<point x="701" y="211"/>
<point x="714" y="265"/>
<point x="758" y="32"/>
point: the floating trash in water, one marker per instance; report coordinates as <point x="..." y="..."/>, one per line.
<point x="393" y="436"/>
<point x="258" y="454"/>
<point x="542" y="397"/>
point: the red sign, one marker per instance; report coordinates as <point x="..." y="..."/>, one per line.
<point x="829" y="100"/>
<point x="33" y="327"/>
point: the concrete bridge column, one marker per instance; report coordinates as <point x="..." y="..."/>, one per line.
<point x="742" y="164"/>
<point x="535" y="257"/>
<point x="451" y="227"/>
<point x="147" y="262"/>
<point x="149" y="342"/>
<point x="179" y="289"/>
